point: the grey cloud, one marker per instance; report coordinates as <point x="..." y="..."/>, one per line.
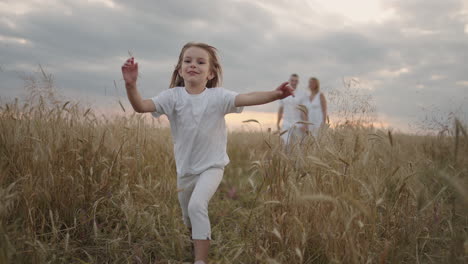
<point x="427" y="14"/>
<point x="257" y="53"/>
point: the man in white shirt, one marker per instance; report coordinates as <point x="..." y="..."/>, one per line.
<point x="290" y="114"/>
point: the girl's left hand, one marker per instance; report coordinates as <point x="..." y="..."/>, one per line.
<point x="284" y="90"/>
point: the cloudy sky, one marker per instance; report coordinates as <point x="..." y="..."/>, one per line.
<point x="409" y="54"/>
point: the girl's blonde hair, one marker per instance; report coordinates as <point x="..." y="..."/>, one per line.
<point x="215" y="67"/>
<point x="317" y="82"/>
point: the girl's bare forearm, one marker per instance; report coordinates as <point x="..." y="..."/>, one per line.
<point x="134" y="97"/>
<point x="256" y="98"/>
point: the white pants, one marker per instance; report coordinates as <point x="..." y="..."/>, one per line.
<point x="194" y="197"/>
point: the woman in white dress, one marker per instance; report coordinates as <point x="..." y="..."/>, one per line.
<point x="316" y="106"/>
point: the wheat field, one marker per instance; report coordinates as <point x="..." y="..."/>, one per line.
<point x="77" y="188"/>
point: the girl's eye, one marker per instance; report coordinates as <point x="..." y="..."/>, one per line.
<point x="201" y="62"/>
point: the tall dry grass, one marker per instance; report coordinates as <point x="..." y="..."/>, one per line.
<point x="75" y="188"/>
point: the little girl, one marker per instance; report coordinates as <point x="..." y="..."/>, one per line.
<point x="195" y="107"/>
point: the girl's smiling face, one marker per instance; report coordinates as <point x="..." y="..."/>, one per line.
<point x="195" y="68"/>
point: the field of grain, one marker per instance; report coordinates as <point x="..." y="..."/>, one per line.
<point x="77" y="188"/>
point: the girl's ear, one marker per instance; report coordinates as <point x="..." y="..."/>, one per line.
<point x="180" y="72"/>
<point x="211" y="76"/>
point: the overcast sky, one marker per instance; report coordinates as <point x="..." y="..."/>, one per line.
<point x="409" y="54"/>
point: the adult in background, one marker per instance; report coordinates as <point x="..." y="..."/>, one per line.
<point x="316" y="107"/>
<point x="289" y="111"/>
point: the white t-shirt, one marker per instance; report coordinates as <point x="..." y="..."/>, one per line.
<point x="198" y="127"/>
<point x="291" y="114"/>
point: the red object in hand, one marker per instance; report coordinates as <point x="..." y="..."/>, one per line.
<point x="285" y="90"/>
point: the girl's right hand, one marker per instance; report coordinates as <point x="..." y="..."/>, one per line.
<point x="130" y="71"/>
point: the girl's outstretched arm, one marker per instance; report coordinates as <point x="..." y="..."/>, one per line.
<point x="258" y="98"/>
<point x="130" y="75"/>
